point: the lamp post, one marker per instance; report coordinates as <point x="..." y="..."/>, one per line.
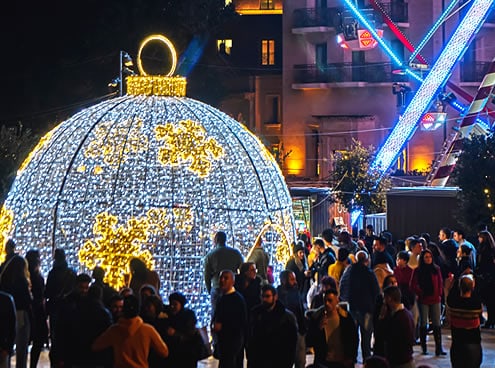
<point x="125" y="61"/>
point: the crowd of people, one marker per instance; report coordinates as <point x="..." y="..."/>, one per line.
<point x="336" y="294"/>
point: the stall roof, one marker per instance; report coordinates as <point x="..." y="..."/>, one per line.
<point x="308" y="191"/>
<point x="424" y="191"/>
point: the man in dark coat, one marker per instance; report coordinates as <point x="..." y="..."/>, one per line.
<point x="59" y="283"/>
<point x="248" y="284"/>
<point x="273" y="333"/>
<point x="7" y="328"/>
<point x="332" y="333"/>
<point x="359" y="287"/>
<point x="398" y="330"/>
<point x="230" y="323"/>
<point x="288" y="294"/>
<point x="82" y="318"/>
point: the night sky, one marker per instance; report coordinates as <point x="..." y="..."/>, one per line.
<point x="59" y="56"/>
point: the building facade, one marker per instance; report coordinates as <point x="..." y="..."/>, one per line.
<point x="333" y="94"/>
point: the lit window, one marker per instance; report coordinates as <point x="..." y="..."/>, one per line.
<point x="267" y="4"/>
<point x="267" y="52"/>
<point x="224" y="46"/>
<point x="228" y="2"/>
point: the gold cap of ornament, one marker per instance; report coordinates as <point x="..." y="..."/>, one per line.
<point x="167" y="85"/>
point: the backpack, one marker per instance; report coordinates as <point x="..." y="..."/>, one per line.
<point x="382" y="270"/>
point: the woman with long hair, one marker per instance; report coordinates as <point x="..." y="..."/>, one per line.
<point x="427" y="284"/>
<point x="39" y="326"/>
<point x="485" y="273"/>
<point x="14" y="279"/>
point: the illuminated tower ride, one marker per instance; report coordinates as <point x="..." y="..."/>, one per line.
<point x="430" y="86"/>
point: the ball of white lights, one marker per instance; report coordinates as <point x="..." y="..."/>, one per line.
<point x="154" y="177"/>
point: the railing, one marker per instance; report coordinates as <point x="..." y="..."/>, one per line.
<point x="398" y="12"/>
<point x="474" y="71"/>
<point x="345" y="72"/>
<point x="317" y="17"/>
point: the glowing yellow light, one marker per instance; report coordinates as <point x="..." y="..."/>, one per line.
<point x="98" y="170"/>
<point x="486" y="191"/>
<point x="489" y="205"/>
<point x="186" y="142"/>
<point x="44" y="140"/>
<point x="156" y="85"/>
<point x="282" y="252"/>
<point x="114" y="246"/>
<point x="81" y="169"/>
<point x="167" y="43"/>
<point x="115" y="142"/>
<point x="6" y="228"/>
<point x="159" y="218"/>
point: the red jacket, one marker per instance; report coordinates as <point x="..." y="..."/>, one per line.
<point x="437" y="281"/>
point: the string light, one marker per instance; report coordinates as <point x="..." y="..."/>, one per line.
<point x="6" y="228"/>
<point x="156" y="85"/>
<point x="186" y="142"/>
<point x="100" y="187"/>
<point x="173" y="169"/>
<point x="115" y="246"/>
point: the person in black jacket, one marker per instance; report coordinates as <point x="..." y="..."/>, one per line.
<point x="39" y="326"/>
<point x="59" y="283"/>
<point x="182" y="333"/>
<point x="7" y="328"/>
<point x="298" y="264"/>
<point x="273" y="333"/>
<point x="230" y="323"/>
<point x="14" y="279"/>
<point x="248" y="284"/>
<point x="333" y="334"/>
<point x="288" y="294"/>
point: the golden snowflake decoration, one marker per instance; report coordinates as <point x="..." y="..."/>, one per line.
<point x="115" y="246"/>
<point x="181" y="218"/>
<point x="115" y="142"/>
<point x="186" y="142"/>
<point x="6" y="228"/>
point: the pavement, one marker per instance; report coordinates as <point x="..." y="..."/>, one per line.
<point x="487" y="337"/>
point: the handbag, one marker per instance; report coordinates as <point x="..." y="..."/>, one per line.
<point x="203" y="341"/>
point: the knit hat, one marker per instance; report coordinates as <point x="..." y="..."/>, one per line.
<point x="179" y="297"/>
<point x="299" y="246"/>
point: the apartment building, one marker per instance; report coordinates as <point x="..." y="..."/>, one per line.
<point x="332" y="94"/>
<point x="306" y="96"/>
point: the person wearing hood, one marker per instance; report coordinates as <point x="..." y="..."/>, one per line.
<point x="60" y="282"/>
<point x="299" y="266"/>
<point x="130" y="338"/>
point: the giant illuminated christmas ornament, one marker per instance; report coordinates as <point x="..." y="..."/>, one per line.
<point x="154" y="175"/>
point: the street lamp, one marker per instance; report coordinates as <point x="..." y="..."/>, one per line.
<point x="124" y="67"/>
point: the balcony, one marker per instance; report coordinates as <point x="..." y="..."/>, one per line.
<point x="474" y="71"/>
<point x="398" y="12"/>
<point x="316" y="18"/>
<point x="345" y="73"/>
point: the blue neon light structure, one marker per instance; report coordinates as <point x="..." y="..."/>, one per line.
<point x="435" y="27"/>
<point x="440" y="72"/>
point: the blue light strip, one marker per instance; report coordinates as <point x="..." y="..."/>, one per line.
<point x="462" y="110"/>
<point x="430" y="33"/>
<point x="441" y="70"/>
<point x="456" y="105"/>
<point x="368" y="26"/>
